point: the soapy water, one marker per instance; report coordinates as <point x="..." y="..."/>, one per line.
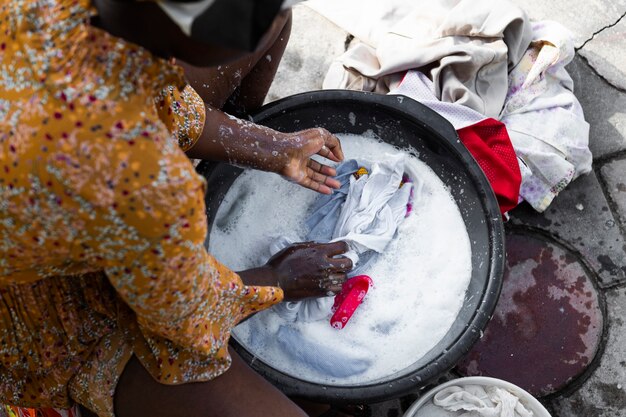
<point x="419" y="282"/>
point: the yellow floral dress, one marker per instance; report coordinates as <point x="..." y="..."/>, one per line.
<point x="102" y="217"/>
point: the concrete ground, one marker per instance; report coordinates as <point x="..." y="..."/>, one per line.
<point x="588" y="219"/>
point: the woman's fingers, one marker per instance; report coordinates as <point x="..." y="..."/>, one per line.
<point x="326" y="170"/>
<point x="327" y="153"/>
<point x="323" y="169"/>
<point x="342" y="264"/>
<point x="332" y="147"/>
<point x="323" y="179"/>
<point x="336" y="248"/>
<point x="319" y="182"/>
<point x="334" y="283"/>
<point x="323" y="174"/>
<point x="307" y="182"/>
<point x="322" y="142"/>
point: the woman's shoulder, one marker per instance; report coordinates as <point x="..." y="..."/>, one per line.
<point x="56" y="47"/>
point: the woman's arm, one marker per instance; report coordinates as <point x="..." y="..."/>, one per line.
<point x="240" y="142"/>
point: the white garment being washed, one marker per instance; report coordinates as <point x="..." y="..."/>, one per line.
<point x="331" y="361"/>
<point x="374" y="206"/>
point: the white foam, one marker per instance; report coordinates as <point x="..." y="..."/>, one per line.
<point x="420" y="281"/>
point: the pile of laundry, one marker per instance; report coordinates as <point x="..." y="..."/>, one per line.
<point x="499" y="79"/>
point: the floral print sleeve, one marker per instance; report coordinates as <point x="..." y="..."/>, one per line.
<point x="157" y="262"/>
<point x="159" y="266"/>
<point x="183" y="113"/>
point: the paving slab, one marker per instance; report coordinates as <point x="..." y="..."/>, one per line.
<point x="581" y="218"/>
<point x="604" y="393"/>
<point x="605" y="109"/>
<point x="583" y="17"/>
<point x="605" y="53"/>
<point x="313" y="45"/>
<point x="549" y="315"/>
<point x="614" y="176"/>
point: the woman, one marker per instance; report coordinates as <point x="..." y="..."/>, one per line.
<point x="109" y="299"/>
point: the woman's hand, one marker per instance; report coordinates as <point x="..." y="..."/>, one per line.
<point x="228" y="139"/>
<point x="304" y="270"/>
<point x="297" y="166"/>
<point x="310" y="269"/>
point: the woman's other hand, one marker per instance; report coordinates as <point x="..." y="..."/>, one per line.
<point x="304" y="270"/>
<point x="310" y="269"/>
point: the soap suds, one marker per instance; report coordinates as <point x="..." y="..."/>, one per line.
<point x="419" y="282"/>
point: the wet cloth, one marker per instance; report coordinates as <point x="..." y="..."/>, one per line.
<point x="334" y="362"/>
<point x="102" y="219"/>
<point x="544" y="118"/>
<point x="364" y="212"/>
<point x="475" y="401"/>
<point x="374" y="207"/>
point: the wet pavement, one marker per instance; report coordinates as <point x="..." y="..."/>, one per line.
<point x="547" y="327"/>
<point x="560" y="326"/>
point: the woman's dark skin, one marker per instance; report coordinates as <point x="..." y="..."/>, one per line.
<point x="300" y="279"/>
<point x="238" y="81"/>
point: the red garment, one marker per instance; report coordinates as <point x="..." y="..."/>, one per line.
<point x="489" y="143"/>
<point x="486" y="139"/>
<point x="348" y="300"/>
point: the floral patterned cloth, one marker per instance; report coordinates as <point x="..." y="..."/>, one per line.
<point x="13" y="411"/>
<point x="102" y="217"/>
<point x="544" y="118"/>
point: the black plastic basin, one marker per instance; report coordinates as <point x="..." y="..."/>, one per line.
<point x="400" y="121"/>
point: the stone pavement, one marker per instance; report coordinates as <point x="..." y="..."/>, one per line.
<point x="578" y="246"/>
